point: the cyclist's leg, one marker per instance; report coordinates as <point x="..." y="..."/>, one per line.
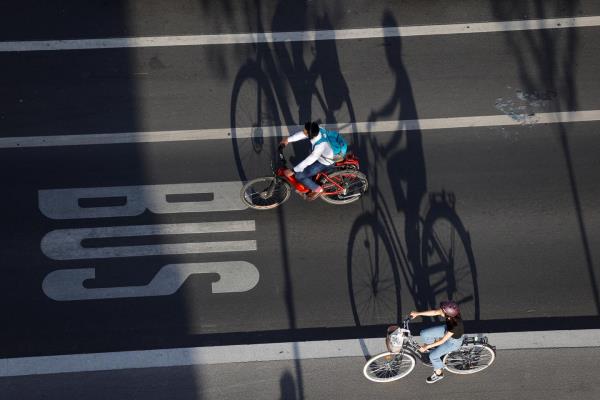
<point x="436" y="354"/>
<point x="432" y="334"/>
<point x="306" y="177"/>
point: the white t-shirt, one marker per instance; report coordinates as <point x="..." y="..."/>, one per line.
<point x="322" y="152"/>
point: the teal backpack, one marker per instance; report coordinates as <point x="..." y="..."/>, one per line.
<point x="336" y="141"/>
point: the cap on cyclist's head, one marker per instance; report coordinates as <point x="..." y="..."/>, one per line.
<point x="450" y="308"/>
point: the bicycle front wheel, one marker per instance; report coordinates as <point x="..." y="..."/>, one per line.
<point x="448" y="263"/>
<point x="265" y="193"/>
<point x="388" y="367"/>
<point x="373" y="273"/>
<point x="254" y="120"/>
<point x="470" y="359"/>
<point x="353" y="183"/>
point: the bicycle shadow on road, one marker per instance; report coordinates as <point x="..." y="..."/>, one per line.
<point x="432" y="255"/>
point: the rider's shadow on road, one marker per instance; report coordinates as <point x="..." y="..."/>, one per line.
<point x="320" y="90"/>
<point x="404" y="152"/>
<point x="286" y="84"/>
<point x="327" y="66"/>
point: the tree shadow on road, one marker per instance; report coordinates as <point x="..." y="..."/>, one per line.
<point x="278" y="86"/>
<point x="546" y="61"/>
<point x="287" y="386"/>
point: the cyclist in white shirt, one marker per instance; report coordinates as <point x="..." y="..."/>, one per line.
<point x="318" y="160"/>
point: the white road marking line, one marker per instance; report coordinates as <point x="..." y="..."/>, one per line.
<point x="272" y="131"/>
<point x="266" y="352"/>
<point x="234" y="277"/>
<point x="272" y="37"/>
<point x="65" y="244"/>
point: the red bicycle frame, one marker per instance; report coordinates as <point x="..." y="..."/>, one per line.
<point x="350" y="162"/>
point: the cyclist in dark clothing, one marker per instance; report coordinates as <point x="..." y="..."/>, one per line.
<point x="443" y="339"/>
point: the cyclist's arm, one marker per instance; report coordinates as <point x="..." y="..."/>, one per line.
<point x="314" y="156"/>
<point x="440" y="342"/>
<point x="295" y="137"/>
<point x="429" y="313"/>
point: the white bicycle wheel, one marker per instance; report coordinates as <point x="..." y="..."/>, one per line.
<point x="469" y="359"/>
<point x="388" y="367"/>
<point x="265" y="193"/>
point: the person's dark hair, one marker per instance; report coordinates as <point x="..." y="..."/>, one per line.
<point x="451" y="322"/>
<point x="307" y="126"/>
<point x="314" y="130"/>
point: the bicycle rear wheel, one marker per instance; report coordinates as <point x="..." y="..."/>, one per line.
<point x="265" y="193"/>
<point x="354" y="184"/>
<point x="388" y="367"/>
<point x="470" y="359"/>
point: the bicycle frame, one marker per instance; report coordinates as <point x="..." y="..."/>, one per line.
<point x="349" y="162"/>
<point x="409" y="343"/>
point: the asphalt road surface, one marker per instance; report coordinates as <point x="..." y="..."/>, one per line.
<point x="136" y="245"/>
<point x="515" y="375"/>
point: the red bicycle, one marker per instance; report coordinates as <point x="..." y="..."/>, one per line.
<point x="342" y="183"/>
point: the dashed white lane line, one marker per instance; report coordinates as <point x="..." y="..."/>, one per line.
<point x="271" y="131"/>
<point x="271" y="37"/>
<point x="266" y="352"/>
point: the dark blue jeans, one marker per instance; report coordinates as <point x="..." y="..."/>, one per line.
<point x="306" y="177"/>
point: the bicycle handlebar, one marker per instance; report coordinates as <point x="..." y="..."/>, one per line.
<point x="281" y="160"/>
